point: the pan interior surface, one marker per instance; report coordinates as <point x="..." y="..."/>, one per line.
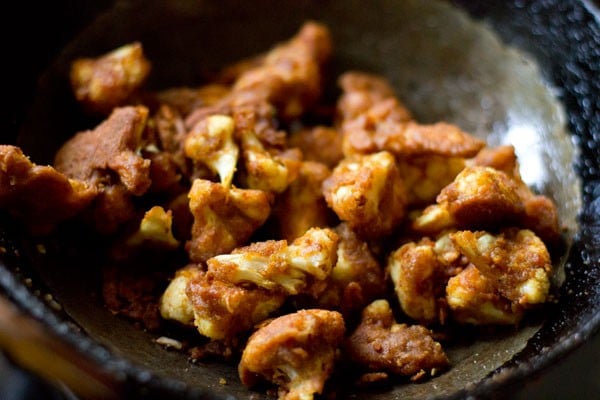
<point x="443" y="65"/>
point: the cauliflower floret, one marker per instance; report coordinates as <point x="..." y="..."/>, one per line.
<point x="223" y="310"/>
<point x="516" y="261"/>
<point x="106" y="82"/>
<point x="426" y="176"/>
<point x="21" y="183"/>
<point x="302" y="206"/>
<point x="380" y="344"/>
<point x="265" y="171"/>
<point x="186" y="99"/>
<point x="174" y="303"/>
<point x="473" y="299"/>
<point x="356" y="279"/>
<point x="480" y="197"/>
<point x="155" y="228"/>
<point x="211" y="142"/>
<point x="275" y="265"/>
<point x="295" y="351"/>
<point x="223" y="218"/>
<point x="368" y="193"/>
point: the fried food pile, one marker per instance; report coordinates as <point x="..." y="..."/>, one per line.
<point x="305" y="244"/>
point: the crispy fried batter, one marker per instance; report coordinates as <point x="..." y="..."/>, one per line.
<point x="373" y="120"/>
<point x="516" y="261"/>
<point x="22" y="181"/>
<point x="106" y="82"/>
<point x="473" y="299"/>
<point x="321" y="144"/>
<point x="110" y="149"/>
<point x="356" y="279"/>
<point x="380" y="344"/>
<point x="295" y="351"/>
<point x="223" y="218"/>
<point x="223" y="310"/>
<point x="368" y="193"/>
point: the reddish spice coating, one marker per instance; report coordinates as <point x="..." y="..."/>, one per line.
<point x="21" y="183"/>
<point x="380" y="344"/>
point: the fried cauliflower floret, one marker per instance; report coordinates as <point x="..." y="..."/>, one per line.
<point x="174" y="303"/>
<point x="516" y="261"/>
<point x="302" y="206"/>
<point x="360" y="91"/>
<point x="373" y="120"/>
<point x="112" y="146"/>
<point x="473" y="299"/>
<point x="368" y="193"/>
<point x="426" y="176"/>
<point x="356" y="279"/>
<point x="223" y="310"/>
<point x="295" y="351"/>
<point x="223" y="218"/>
<point x="419" y="272"/>
<point x="321" y="144"/>
<point x="211" y="142"/>
<point x="290" y="75"/>
<point x="275" y="265"/>
<point x="22" y="182"/>
<point x="380" y="344"/>
<point x="155" y="228"/>
<point x="264" y="170"/>
<point x="480" y="197"/>
<point x="106" y="82"/>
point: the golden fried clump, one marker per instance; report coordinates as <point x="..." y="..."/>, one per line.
<point x="295" y="351"/>
<point x="222" y="310"/>
<point x="302" y="206"/>
<point x="368" y="193"/>
<point x="373" y="120"/>
<point x="473" y="299"/>
<point x="380" y="344"/>
<point x="516" y="261"/>
<point x="300" y="267"/>
<point x="174" y="303"/>
<point x="356" y="279"/>
<point x="113" y="145"/>
<point x="223" y="218"/>
<point x="211" y="142"/>
<point x="479" y="197"/>
<point x="185" y="99"/>
<point x="103" y="83"/>
<point x="22" y="181"/>
<point x="289" y="76"/>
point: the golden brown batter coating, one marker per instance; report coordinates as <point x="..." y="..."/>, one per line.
<point x="223" y="218"/>
<point x="223" y="310"/>
<point x="295" y="351"/>
<point x="112" y="146"/>
<point x="375" y="121"/>
<point x="302" y="206"/>
<point x="380" y="344"/>
<point x="103" y="83"/>
<point x="356" y="279"/>
<point x="185" y="99"/>
<point x="516" y="261"/>
<point x="174" y="303"/>
<point x="300" y="267"/>
<point x="473" y="299"/>
<point x="368" y="193"/>
<point x="22" y="181"/>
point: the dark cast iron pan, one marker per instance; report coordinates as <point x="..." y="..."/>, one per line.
<point x="524" y="72"/>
